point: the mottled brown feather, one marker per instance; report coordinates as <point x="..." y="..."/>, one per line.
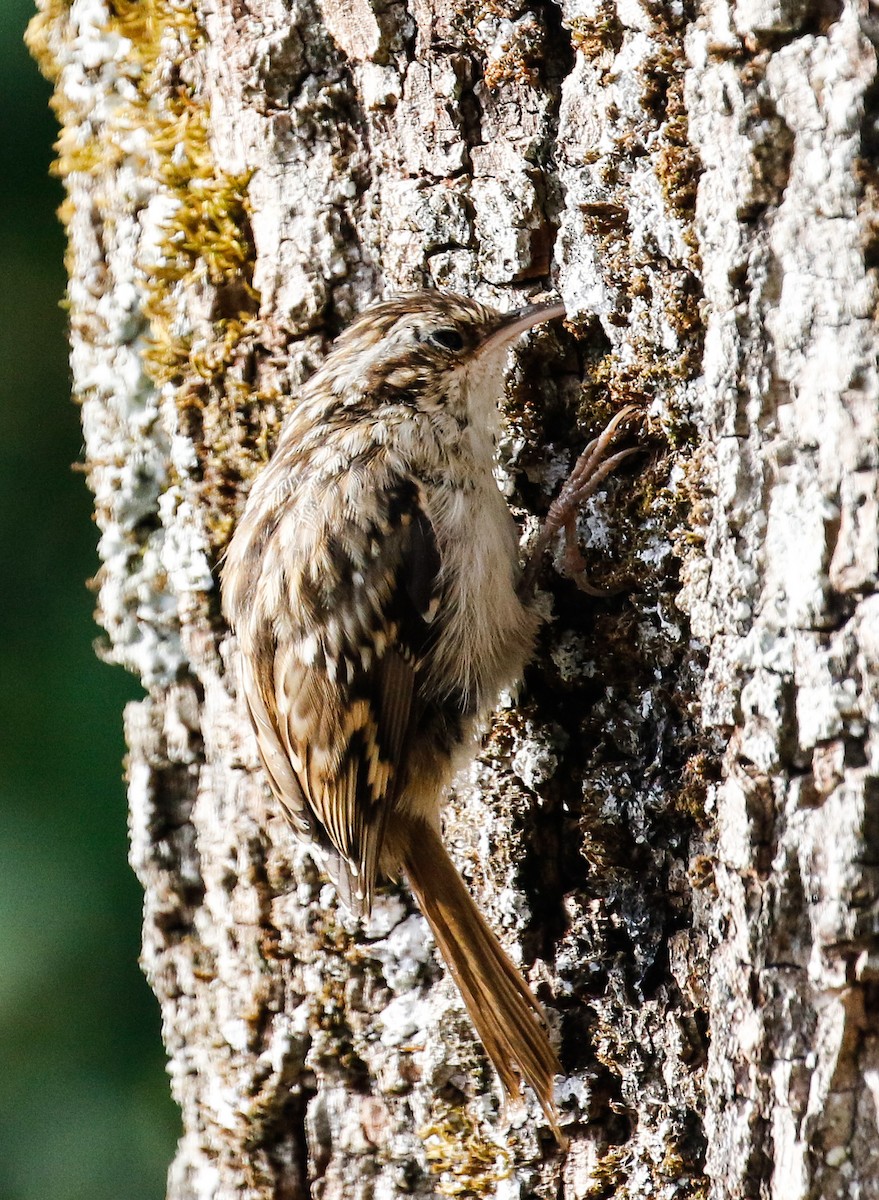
<point x="344" y="733"/>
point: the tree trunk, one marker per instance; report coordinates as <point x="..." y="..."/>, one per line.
<point x="675" y="827"/>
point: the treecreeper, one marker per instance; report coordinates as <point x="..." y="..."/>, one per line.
<point x="380" y="606"/>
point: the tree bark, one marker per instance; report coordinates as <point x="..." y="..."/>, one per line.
<point x="675" y="827"/>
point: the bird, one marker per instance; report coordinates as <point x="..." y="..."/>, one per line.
<point x="375" y="588"/>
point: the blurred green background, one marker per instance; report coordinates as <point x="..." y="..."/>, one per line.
<point x="84" y="1105"/>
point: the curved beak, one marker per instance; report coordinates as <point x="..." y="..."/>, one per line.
<point x="519" y="320"/>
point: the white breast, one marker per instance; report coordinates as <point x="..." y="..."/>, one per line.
<point x="488" y="632"/>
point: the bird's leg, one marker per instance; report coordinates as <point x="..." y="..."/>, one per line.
<point x="591" y="468"/>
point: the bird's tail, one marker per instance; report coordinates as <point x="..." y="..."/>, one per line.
<point x="506" y="1016"/>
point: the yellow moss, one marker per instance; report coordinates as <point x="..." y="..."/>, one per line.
<point x="149" y="23"/>
<point x="610" y="384"/>
<point x="609" y="1175"/>
<point x="203" y="247"/>
<point x="38" y="37"/>
<point x="208" y="232"/>
<point x="206" y="238"/>
<point x="520" y="62"/>
<point x="512" y="67"/>
<point x="598" y="34"/>
<point x="212" y="359"/>
<point x="143" y="22"/>
<point x="700" y="771"/>
<point x="468" y="1163"/>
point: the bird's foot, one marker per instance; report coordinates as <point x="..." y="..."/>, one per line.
<point x="592" y="467"/>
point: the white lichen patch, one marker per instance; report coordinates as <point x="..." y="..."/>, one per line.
<point x="405" y="1018"/>
<point x="403" y="953"/>
<point x="570" y="657"/>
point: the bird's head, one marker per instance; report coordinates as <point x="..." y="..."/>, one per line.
<point x="431" y="349"/>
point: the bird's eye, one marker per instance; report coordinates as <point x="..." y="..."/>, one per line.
<point x="449" y="339"/>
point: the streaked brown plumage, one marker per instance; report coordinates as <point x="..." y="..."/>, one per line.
<point x="375" y="588"/>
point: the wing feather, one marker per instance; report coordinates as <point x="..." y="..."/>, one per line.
<point x="334" y="704"/>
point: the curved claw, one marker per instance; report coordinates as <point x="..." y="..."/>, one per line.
<point x="590" y="469"/>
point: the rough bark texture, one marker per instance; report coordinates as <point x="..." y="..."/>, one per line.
<point x="675" y="829"/>
<point x="786" y="595"/>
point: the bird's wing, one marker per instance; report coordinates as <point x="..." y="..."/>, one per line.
<point x="334" y="707"/>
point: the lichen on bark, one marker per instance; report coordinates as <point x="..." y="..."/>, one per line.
<point x="672" y="827"/>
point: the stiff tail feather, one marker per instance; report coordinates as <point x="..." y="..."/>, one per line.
<point x="505" y="1015"/>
